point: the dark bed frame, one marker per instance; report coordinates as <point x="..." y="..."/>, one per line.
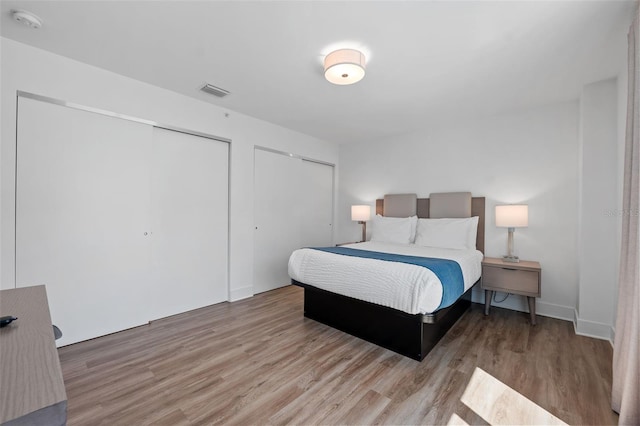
<point x="409" y="335"/>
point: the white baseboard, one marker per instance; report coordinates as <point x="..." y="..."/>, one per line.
<point x="552" y="310"/>
<point x="519" y="303"/>
<point x="240" y="293"/>
<point x="593" y="329"/>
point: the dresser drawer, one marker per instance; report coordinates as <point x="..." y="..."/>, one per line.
<point x="511" y="280"/>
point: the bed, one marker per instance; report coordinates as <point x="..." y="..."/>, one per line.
<point x="345" y="291"/>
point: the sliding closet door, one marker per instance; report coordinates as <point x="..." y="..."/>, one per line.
<point x="293" y="207"/>
<point x="190" y="222"/>
<point x="82" y="216"/>
<point x="276" y="210"/>
<point x="316" y="198"/>
<point x="123" y="222"/>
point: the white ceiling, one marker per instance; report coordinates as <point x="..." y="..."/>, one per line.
<point x="427" y="61"/>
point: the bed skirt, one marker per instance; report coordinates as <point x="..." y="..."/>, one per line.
<point x="410" y="335"/>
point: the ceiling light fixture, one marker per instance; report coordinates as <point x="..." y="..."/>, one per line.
<point x="344" y="66"/>
<point x="27" y="19"/>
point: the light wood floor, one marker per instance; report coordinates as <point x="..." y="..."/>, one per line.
<point x="259" y="361"/>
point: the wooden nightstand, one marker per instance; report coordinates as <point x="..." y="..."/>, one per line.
<point x="521" y="278"/>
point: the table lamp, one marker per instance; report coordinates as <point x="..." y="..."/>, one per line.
<point x="512" y="216"/>
<point x="361" y="214"/>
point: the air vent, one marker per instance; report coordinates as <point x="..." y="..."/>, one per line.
<point x="215" y="91"/>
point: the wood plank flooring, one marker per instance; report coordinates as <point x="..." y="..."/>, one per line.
<point x="259" y="361"/>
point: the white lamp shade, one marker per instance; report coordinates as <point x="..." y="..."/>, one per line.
<point x="344" y="66"/>
<point x="360" y="213"/>
<point x="512" y="216"/>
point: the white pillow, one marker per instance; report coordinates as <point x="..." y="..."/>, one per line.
<point x="414" y="228"/>
<point x="399" y="230"/>
<point x="447" y="233"/>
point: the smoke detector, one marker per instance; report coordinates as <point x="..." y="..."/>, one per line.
<point x="27" y="19"/>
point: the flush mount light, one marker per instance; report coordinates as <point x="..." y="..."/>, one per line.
<point x="27" y="19"/>
<point x="344" y="66"/>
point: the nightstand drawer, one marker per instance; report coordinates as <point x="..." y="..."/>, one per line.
<point x="511" y="280"/>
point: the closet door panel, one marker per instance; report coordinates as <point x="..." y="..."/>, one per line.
<point x="293" y="205"/>
<point x="82" y="211"/>
<point x="316" y="199"/>
<point x="277" y="218"/>
<point x="190" y="222"/>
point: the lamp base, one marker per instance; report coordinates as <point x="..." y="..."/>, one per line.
<point x="511" y="259"/>
<point x="364" y="230"/>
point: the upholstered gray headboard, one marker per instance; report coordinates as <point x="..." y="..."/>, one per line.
<point x="400" y="205"/>
<point x="445" y="204"/>
<point x="450" y="204"/>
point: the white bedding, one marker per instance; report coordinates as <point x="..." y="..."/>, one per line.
<point x="409" y="288"/>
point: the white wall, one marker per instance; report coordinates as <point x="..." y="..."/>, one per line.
<point x="602" y="140"/>
<point x="32" y="70"/>
<point x="599" y="210"/>
<point x="525" y="157"/>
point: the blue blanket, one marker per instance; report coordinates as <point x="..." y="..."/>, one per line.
<point x="448" y="271"/>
